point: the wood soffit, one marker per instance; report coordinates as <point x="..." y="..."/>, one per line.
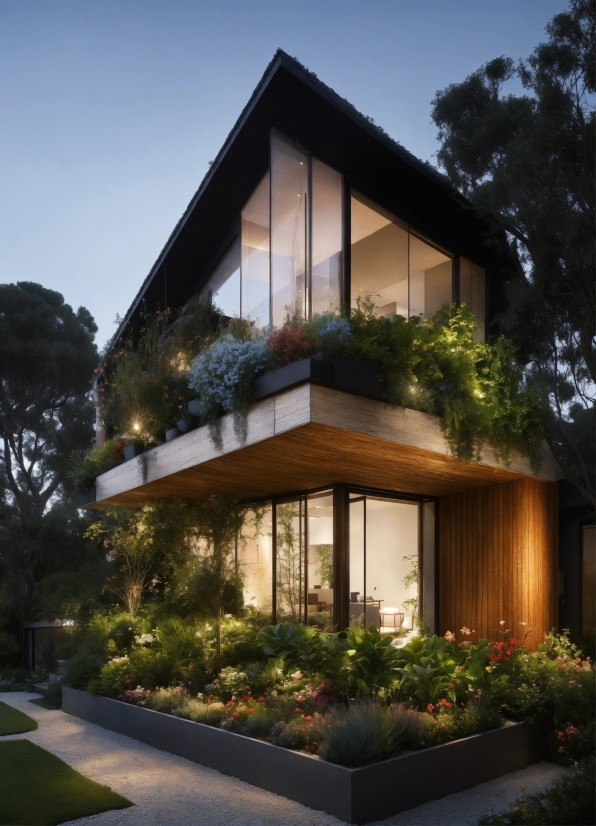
<point x="308" y="437"/>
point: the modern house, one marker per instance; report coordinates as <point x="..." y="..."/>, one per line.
<point x="365" y="513"/>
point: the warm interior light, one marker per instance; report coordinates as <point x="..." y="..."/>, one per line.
<point x="136" y="426"/>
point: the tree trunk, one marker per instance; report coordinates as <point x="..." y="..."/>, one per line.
<point x="218" y="636"/>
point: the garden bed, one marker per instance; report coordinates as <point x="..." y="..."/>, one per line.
<point x="359" y="795"/>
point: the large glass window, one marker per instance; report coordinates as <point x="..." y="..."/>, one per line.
<point x="223" y="288"/>
<point x="431" y="279"/>
<point x="379" y="258"/>
<point x="255" y="256"/>
<point x="290" y="559"/>
<point x="384" y="562"/>
<point x="289" y="194"/>
<point x="255" y="559"/>
<point x="326" y="245"/>
<point x="472" y="292"/>
<point x="401" y="273"/>
<point x="320" y="579"/>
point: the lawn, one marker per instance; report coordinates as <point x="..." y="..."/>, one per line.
<point x="13" y="721"/>
<point x="37" y="788"/>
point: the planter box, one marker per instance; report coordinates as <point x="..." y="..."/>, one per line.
<point x="324" y="368"/>
<point x="354" y="795"/>
<point x="132" y="450"/>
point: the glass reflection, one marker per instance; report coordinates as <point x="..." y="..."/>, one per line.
<point x="384" y="555"/>
<point x="431" y="280"/>
<point x="320" y="560"/>
<point x="326" y="238"/>
<point x="289" y="192"/>
<point x="379" y="255"/>
<point x="255" y="559"/>
<point x="223" y="288"/>
<point x="255" y="256"/>
<point x="290" y="560"/>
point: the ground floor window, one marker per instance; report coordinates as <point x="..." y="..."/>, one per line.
<point x="386" y="552"/>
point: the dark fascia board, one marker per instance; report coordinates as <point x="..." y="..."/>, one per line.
<point x="278" y="72"/>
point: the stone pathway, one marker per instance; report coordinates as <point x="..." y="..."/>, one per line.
<point x="171" y="791"/>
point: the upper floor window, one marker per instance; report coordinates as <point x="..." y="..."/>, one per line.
<point x="289" y="258"/>
<point x="400" y="272"/>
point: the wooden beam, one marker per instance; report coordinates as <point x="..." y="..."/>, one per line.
<point x="308" y="437"/>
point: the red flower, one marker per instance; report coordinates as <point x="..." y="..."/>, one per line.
<point x="297" y="710"/>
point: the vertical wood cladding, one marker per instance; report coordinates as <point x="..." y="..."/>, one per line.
<point x="497" y="559"/>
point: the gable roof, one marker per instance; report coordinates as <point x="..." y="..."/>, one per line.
<point x="292" y="99"/>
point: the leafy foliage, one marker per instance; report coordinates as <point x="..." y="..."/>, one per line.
<point x="47" y="356"/>
<point x="529" y="160"/>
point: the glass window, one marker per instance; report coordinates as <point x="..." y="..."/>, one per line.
<point x="255" y="559"/>
<point x="384" y="558"/>
<point x="431" y="280"/>
<point x="223" y="288"/>
<point x="379" y="244"/>
<point x="320" y="560"/>
<point x="472" y="292"/>
<point x="255" y="256"/>
<point x="290" y="566"/>
<point x="327" y="223"/>
<point x="289" y="193"/>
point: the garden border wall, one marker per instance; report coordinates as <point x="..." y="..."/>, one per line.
<point x="359" y="795"/>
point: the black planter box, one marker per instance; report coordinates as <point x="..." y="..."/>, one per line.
<point x="324" y="368"/>
<point x="354" y="795"/>
<point x="132" y="450"/>
<point x="85" y="497"/>
<point x="188" y="423"/>
<point x="172" y="434"/>
<point x="193" y="408"/>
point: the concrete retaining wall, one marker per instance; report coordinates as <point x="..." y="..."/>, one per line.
<point x="354" y="795"/>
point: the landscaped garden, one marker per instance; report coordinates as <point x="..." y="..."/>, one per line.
<point x="188" y="646"/>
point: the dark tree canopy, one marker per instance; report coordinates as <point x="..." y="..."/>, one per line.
<point x="47" y="358"/>
<point x="529" y="160"/>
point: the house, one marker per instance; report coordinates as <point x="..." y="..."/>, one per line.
<point x="363" y="511"/>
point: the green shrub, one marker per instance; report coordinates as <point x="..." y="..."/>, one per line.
<point x="568" y="802"/>
<point x="53" y="695"/>
<point x="82" y="668"/>
<point x="361" y="734"/>
<point x="10" y="650"/>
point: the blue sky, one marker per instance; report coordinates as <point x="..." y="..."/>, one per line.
<point x="111" y="111"/>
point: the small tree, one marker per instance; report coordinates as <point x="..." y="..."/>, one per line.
<point x="289" y="573"/>
<point x="220" y="522"/>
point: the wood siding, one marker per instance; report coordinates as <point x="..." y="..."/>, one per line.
<point x="304" y="438"/>
<point x="497" y="559"/>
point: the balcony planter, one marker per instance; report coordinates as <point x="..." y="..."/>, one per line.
<point x="193" y="408"/>
<point x="188" y="423"/>
<point x="328" y="369"/>
<point x="85" y="497"/>
<point x="360" y="795"/>
<point x="172" y="434"/>
<point x="132" y="450"/>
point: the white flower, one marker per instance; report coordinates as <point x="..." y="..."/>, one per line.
<point x="523" y="624"/>
<point x="296" y="675"/>
<point x="449" y="636"/>
<point x="501" y="622"/>
<point x="145" y="639"/>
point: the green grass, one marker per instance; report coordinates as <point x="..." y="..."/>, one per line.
<point x="37" y="788"/>
<point x="13" y="721"/>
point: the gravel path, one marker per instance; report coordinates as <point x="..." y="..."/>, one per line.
<point x="171" y="791"/>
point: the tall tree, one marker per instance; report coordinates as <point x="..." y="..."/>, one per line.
<point x="529" y="160"/>
<point x="47" y="358"/>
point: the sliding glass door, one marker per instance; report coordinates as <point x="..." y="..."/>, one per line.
<point x="389" y="541"/>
